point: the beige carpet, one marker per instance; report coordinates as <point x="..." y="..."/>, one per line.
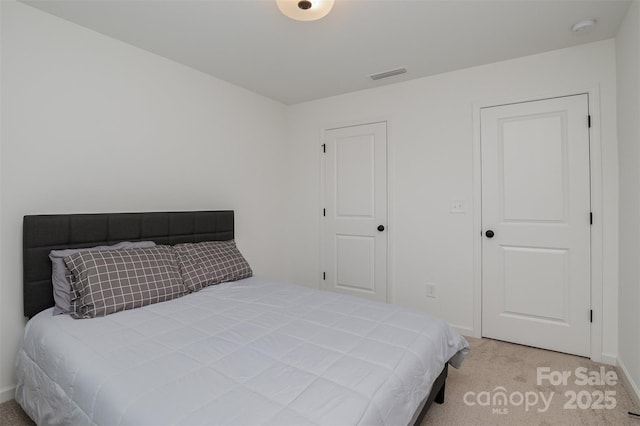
<point x="493" y="364"/>
<point x="12" y="415"/>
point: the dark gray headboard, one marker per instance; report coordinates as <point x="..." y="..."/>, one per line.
<point x="43" y="233"/>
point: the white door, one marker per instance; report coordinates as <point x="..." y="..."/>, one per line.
<point x="355" y="211"/>
<point x="536" y="279"/>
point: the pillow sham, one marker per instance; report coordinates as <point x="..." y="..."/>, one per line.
<point x="61" y="277"/>
<point x="105" y="282"/>
<point x="211" y="262"/>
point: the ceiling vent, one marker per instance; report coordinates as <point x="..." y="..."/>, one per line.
<point x="386" y="74"/>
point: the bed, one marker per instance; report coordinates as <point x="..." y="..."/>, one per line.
<point x="252" y="351"/>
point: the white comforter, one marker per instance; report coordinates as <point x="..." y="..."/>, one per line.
<point x="249" y="352"/>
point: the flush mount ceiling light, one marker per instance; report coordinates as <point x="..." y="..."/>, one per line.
<point x="305" y="10"/>
<point x="583" y="26"/>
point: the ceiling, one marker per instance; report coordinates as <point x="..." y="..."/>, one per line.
<point x="250" y="43"/>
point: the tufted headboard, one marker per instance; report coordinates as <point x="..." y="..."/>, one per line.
<point x="43" y="233"/>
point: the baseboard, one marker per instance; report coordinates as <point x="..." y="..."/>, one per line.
<point x="465" y="331"/>
<point x="629" y="384"/>
<point x="7" y="394"/>
<point x="609" y="359"/>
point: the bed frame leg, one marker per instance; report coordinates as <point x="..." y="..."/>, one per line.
<point x="439" y="399"/>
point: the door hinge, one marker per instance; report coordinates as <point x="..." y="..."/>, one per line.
<point x="589" y="120"/>
<point x="324" y="212"/>
<point x="591" y="315"/>
<point x="324" y="275"/>
<point x="590" y="218"/>
<point x="324" y="147"/>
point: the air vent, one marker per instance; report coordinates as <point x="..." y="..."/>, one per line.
<point x="386" y="74"/>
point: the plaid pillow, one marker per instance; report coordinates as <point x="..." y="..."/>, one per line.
<point x="211" y="262"/>
<point x="105" y="282"/>
<point x="61" y="276"/>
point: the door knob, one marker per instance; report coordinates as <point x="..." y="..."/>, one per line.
<point x="380" y="228"/>
<point x="489" y="233"/>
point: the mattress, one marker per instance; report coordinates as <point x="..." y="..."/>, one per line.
<point x="254" y="351"/>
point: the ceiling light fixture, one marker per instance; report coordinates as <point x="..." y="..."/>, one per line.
<point x="583" y="26"/>
<point x="305" y="10"/>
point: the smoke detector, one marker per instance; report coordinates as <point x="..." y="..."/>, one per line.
<point x="583" y="26"/>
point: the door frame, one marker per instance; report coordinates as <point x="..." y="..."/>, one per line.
<point x="321" y="198"/>
<point x="597" y="248"/>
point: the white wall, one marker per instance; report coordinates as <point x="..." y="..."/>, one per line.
<point x="90" y="124"/>
<point x="5" y="391"/>
<point x="628" y="76"/>
<point x="431" y="163"/>
<point x="82" y="114"/>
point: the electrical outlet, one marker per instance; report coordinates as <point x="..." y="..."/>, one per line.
<point x="456" y="206"/>
<point x="431" y="290"/>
